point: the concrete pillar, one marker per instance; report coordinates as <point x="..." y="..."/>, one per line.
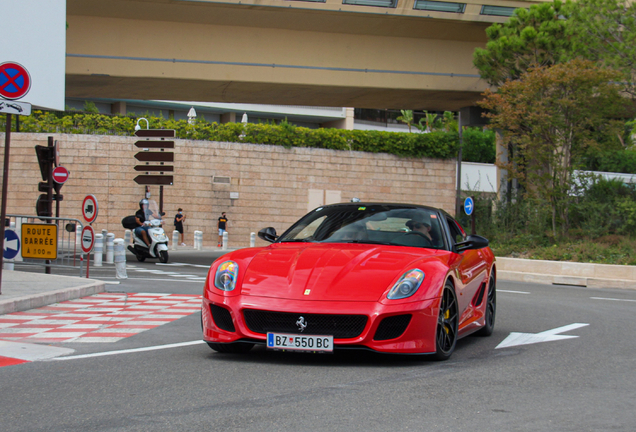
<point x="228" y="117"/>
<point x="118" y="108"/>
<point x="345" y="123"/>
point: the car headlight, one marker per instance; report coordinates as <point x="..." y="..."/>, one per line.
<point x="225" y="278"/>
<point x="406" y="285"/>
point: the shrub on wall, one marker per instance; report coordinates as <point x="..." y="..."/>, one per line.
<point x="438" y="145"/>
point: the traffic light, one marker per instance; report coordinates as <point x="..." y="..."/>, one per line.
<point x="47" y="158"/>
<point x="43" y="206"/>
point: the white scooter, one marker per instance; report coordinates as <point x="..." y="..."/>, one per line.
<point x="158" y="243"/>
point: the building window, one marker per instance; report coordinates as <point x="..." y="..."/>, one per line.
<point x="497" y="10"/>
<point x="378" y="3"/>
<point x="439" y="6"/>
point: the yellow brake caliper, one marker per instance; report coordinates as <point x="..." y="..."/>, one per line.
<point x="446" y="316"/>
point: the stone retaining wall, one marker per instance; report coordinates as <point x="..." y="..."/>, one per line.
<point x="257" y="185"/>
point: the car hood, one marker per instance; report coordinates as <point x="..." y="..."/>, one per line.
<point x="329" y="272"/>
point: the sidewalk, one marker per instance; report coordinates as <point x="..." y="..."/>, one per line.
<point x="23" y="290"/>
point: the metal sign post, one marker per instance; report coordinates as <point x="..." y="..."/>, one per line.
<point x="15" y="84"/>
<point x="155" y="139"/>
<point x="5" y="183"/>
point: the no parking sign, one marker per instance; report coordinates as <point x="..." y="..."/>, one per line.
<point x="15" y="80"/>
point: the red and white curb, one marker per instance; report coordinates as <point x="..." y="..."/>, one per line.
<point x="105" y="317"/>
<point x="14" y="353"/>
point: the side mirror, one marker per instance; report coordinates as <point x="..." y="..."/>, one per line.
<point x="471" y="242"/>
<point x="268" y="234"/>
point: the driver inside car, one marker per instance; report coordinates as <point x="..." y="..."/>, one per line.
<point x="420" y="227"/>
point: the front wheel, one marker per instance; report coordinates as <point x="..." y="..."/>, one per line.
<point x="491" y="309"/>
<point x="163" y="256"/>
<point x="447" y="324"/>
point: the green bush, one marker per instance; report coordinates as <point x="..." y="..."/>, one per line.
<point x="619" y="160"/>
<point x="478" y="145"/>
<point x="439" y="145"/>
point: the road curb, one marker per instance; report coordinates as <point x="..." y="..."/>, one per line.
<point x="588" y="275"/>
<point x="33" y="301"/>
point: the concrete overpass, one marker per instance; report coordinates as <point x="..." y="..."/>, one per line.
<point x="410" y="54"/>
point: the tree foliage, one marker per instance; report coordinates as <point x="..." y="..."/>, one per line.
<point x="552" y="114"/>
<point x="605" y="31"/>
<point x="532" y="37"/>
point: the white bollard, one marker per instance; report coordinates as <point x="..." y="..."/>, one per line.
<point x="175" y="239"/>
<point x="224" y="241"/>
<point x="104" y="234"/>
<point x="127" y="237"/>
<point x="198" y="240"/>
<point x="110" y="239"/>
<point x="120" y="259"/>
<point x="98" y="250"/>
<point x="252" y="239"/>
<point x="78" y="235"/>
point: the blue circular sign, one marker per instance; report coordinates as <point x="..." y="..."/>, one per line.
<point x="469" y="206"/>
<point x="11" y="244"/>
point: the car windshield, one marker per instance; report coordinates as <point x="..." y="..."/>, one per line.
<point x="372" y="224"/>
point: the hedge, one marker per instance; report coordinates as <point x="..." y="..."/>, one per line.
<point x="438" y="145"/>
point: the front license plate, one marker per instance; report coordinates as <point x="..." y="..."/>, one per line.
<point x="296" y="342"/>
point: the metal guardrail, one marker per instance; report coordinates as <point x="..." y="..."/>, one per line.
<point x="69" y="251"/>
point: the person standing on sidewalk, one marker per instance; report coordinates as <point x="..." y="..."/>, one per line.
<point x="178" y="224"/>
<point x="222" y="227"/>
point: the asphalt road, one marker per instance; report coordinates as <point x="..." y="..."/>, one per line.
<point x="582" y="383"/>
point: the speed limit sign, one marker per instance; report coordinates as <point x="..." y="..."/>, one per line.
<point x="88" y="239"/>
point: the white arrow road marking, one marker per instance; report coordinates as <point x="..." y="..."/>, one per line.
<point x="515" y="338"/>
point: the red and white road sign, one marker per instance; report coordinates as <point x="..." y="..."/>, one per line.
<point x="15" y="80"/>
<point x="88" y="238"/>
<point x="89" y="208"/>
<point x="60" y="175"/>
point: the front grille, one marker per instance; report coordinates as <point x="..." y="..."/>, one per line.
<point x="222" y="318"/>
<point x="338" y="326"/>
<point x="392" y="327"/>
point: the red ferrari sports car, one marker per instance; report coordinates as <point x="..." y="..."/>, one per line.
<point x="393" y="278"/>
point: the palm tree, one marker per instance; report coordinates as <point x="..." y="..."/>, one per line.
<point x="428" y="123"/>
<point x="406" y="117"/>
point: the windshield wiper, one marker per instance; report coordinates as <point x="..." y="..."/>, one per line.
<point x="297" y="241"/>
